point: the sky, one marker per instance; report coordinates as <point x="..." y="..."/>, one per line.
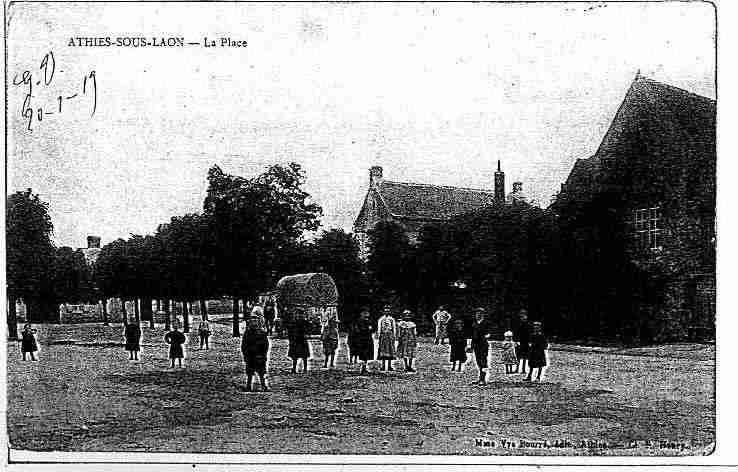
<point x="434" y="93"/>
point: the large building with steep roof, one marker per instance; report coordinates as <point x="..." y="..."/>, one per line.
<point x="656" y="164"/>
<point x="413" y="205"/>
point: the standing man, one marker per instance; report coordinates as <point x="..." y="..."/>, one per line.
<point x="479" y="343"/>
<point x="523" y="335"/>
<point x="441" y="318"/>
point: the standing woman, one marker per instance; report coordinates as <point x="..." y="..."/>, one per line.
<point x="28" y="343"/>
<point x="175" y="339"/>
<point x="363" y="341"/>
<point x="407" y="340"/>
<point x="387" y="333"/>
<point x="133" y="340"/>
<point x="297" y="336"/>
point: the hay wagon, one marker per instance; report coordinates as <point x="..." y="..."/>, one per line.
<point x="315" y="293"/>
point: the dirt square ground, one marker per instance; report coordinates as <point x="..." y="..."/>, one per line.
<point x="85" y="395"/>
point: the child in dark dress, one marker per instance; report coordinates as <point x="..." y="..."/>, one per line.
<point x="523" y="335"/>
<point x="329" y="336"/>
<point x="537" y="354"/>
<point x="298" y="343"/>
<point x="479" y="344"/>
<point x="133" y="340"/>
<point x="175" y="339"/>
<point x="458" y="343"/>
<point x="353" y="357"/>
<point x="363" y="341"/>
<point x="28" y="343"/>
<point x="255" y="349"/>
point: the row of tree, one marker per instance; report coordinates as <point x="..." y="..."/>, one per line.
<point x="249" y="234"/>
<point x="568" y="268"/>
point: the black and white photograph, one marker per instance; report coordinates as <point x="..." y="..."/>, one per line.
<point x="334" y="230"/>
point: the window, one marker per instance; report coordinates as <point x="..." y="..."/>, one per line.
<point x="647" y="226"/>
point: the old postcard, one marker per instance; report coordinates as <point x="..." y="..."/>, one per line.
<point x="360" y="232"/>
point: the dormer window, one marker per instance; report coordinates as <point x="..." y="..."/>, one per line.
<point x="647" y="227"/>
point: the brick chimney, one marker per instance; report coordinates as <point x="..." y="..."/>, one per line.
<point x="93" y="242"/>
<point x="375" y="176"/>
<point x="499" y="184"/>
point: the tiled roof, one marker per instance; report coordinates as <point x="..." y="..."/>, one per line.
<point x="431" y="202"/>
<point x="659" y="128"/>
<point x="689" y="115"/>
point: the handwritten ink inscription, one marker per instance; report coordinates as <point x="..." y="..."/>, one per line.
<point x="30" y="82"/>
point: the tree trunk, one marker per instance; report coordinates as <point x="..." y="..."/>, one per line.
<point x="203" y="309"/>
<point x="167" y="316"/>
<point x="152" y="322"/>
<point x="12" y="318"/>
<point x="185" y="317"/>
<point x="124" y="313"/>
<point x="104" y="302"/>
<point x="236" y="330"/>
<point x="136" y="310"/>
<point x="158" y="304"/>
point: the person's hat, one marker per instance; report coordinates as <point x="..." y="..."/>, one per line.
<point x="508" y="334"/>
<point x="479" y="309"/>
<point x="407" y="312"/>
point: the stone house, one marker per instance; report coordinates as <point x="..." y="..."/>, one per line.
<point x="658" y="159"/>
<point x="413" y="205"/>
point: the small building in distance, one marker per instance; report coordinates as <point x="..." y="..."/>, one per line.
<point x="413" y="205"/>
<point x="92" y="251"/>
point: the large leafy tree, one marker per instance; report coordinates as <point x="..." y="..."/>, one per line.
<point x="30" y="253"/>
<point x="337" y="253"/>
<point x="118" y="270"/>
<point x="391" y="264"/>
<point x="254" y="221"/>
<point x="71" y="276"/>
<point x="435" y="271"/>
<point x="188" y="260"/>
<point x="501" y="253"/>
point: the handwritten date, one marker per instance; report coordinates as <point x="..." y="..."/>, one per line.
<point x="44" y="77"/>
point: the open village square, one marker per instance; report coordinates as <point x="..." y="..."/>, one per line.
<point x="370" y="229"/>
<point x="451" y="320"/>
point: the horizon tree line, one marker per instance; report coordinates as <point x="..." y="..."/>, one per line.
<point x="250" y="233"/>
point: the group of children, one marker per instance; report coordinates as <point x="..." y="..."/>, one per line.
<point x="394" y="339"/>
<point x="531" y="346"/>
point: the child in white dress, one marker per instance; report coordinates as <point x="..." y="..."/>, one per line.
<point x="508" y="353"/>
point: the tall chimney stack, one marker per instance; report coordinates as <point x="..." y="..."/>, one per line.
<point x="499" y="184"/>
<point x="375" y="176"/>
